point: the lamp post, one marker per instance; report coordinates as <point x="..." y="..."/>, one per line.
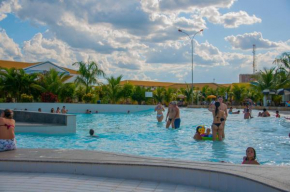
<point x="191" y="39"/>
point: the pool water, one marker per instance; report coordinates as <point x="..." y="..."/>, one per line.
<point x="140" y="134"/>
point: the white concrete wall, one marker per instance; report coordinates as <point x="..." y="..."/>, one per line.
<point x="200" y="178"/>
<point x="78" y="108"/>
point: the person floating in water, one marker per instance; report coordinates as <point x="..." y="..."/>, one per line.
<point x="250" y="157"/>
<point x="231" y="111"/>
<point x="197" y="135"/>
<point x="159" y="108"/>
<point x="92" y="133"/>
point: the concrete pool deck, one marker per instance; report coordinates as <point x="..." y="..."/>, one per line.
<point x="207" y="175"/>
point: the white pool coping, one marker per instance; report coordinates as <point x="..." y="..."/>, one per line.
<point x="213" y="176"/>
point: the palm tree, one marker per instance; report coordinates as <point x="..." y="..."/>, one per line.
<point x="167" y="95"/>
<point x="238" y="92"/>
<point x="127" y="91"/>
<point x="283" y="60"/>
<point x="188" y="92"/>
<point x="158" y="94"/>
<point x="88" y="73"/>
<point x="265" y="80"/>
<point x="52" y="81"/>
<point x="139" y="94"/>
<point x="15" y="82"/>
<point x="114" y="89"/>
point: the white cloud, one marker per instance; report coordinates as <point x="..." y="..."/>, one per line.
<point x="9" y="50"/>
<point x="182" y="5"/>
<point x="7" y="6"/>
<point x="229" y="20"/>
<point x="246" y="41"/>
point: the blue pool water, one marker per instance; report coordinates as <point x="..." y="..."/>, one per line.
<point x="140" y="134"/>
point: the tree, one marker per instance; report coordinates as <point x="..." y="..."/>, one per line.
<point x="16" y="82"/>
<point x="88" y="73"/>
<point x="188" y="92"/>
<point x="265" y="80"/>
<point x="139" y="94"/>
<point x="239" y="92"/>
<point x="127" y="91"/>
<point x="283" y="60"/>
<point x="67" y="93"/>
<point x="114" y="89"/>
<point x="158" y="94"/>
<point x="168" y="94"/>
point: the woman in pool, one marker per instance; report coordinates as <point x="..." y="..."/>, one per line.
<point x="7" y="135"/>
<point x="218" y="117"/>
<point x="159" y="108"/>
<point x="250" y="157"/>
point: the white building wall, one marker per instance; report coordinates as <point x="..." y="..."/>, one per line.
<point x="78" y="108"/>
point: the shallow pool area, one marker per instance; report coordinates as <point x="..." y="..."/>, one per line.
<point x="140" y="134"/>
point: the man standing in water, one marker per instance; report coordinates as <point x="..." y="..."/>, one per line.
<point x="176" y="118"/>
<point x="223" y="107"/>
<point x="159" y="108"/>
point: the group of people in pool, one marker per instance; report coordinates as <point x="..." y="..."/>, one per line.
<point x="218" y="109"/>
<point x="172" y="116"/>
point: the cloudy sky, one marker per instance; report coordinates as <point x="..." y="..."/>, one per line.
<point x="139" y="39"/>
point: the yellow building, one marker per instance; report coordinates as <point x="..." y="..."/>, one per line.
<point x="154" y="84"/>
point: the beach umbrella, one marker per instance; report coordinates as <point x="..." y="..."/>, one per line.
<point x="269" y="92"/>
<point x="211" y="97"/>
<point x="283" y="92"/>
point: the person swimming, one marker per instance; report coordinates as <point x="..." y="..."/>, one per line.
<point x="92" y="133"/>
<point x="231" y="111"/>
<point x="250" y="157"/>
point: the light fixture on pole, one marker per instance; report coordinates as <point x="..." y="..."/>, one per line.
<point x="191" y="39"/>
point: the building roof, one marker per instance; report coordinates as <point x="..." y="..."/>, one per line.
<point x="22" y="65"/>
<point x="171" y="85"/>
<point x="15" y="64"/>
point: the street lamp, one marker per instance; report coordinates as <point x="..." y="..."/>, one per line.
<point x="191" y="39"/>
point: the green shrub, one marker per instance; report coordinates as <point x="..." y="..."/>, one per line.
<point x="88" y="98"/>
<point x="2" y="100"/>
<point x="26" y="98"/>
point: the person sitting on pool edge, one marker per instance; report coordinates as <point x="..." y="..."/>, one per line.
<point x="92" y="133"/>
<point x="231" y="111"/>
<point x="250" y="157"/>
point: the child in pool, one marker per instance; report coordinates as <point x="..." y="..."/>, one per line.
<point x="277" y="114"/>
<point x="207" y="133"/>
<point x="197" y="135"/>
<point x="92" y="133"/>
<point x="251" y="157"/>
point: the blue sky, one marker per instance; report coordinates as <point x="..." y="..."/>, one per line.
<point x="139" y="39"/>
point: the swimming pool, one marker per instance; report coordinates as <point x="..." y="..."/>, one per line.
<point x="140" y="134"/>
